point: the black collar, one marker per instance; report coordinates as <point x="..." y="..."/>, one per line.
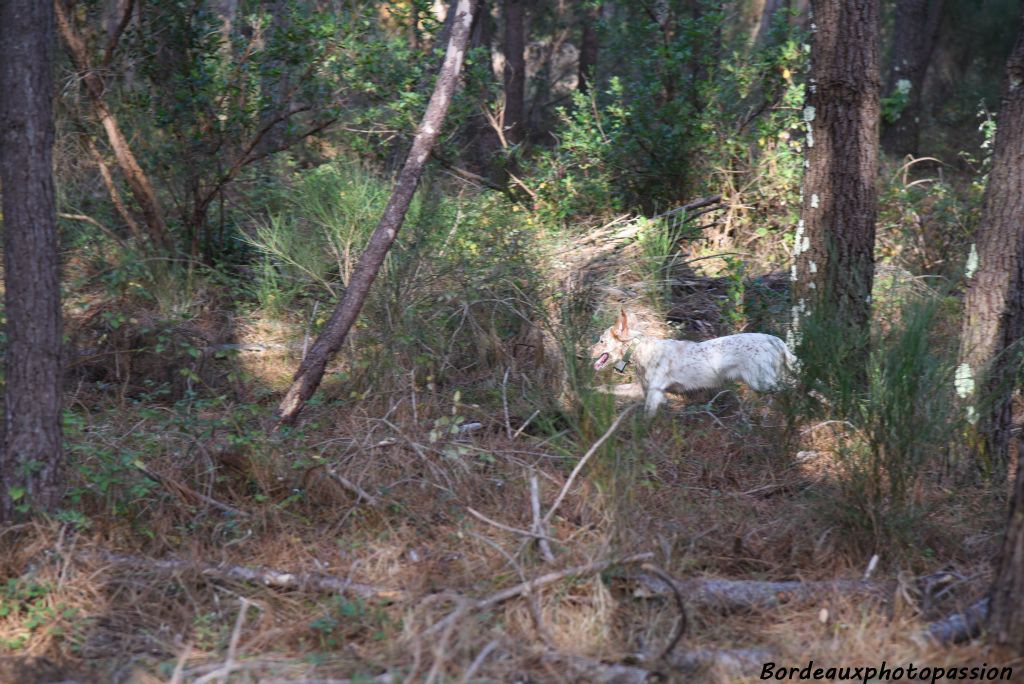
<point x="626" y="358"/>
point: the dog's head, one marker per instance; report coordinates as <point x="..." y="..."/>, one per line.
<point x="611" y="348"/>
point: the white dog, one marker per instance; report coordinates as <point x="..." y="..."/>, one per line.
<point x="763" y="362"/>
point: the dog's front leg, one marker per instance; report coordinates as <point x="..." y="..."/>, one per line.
<point x="655" y="398"/>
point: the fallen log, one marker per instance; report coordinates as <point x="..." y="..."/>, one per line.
<point x="733" y="595"/>
<point x="957" y="627"/>
<point x="276" y="579"/>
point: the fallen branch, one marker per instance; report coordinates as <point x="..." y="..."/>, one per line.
<point x="583" y="461"/>
<point x="538" y="527"/>
<point x="680" y="629"/>
<point x="361" y="494"/>
<point x="508" y="528"/>
<point x="276" y="579"/>
<point x="731" y="595"/>
<point x="187" y="492"/>
<point x="531" y="586"/>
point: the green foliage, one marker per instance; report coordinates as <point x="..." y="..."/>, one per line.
<point x="458" y="281"/>
<point x="891" y="429"/>
<point x="894" y="104"/>
<point x="926" y="220"/>
<point x="673" y="116"/>
<point x="315" y="240"/>
<point x="346" y="619"/>
<point x="31" y="605"/>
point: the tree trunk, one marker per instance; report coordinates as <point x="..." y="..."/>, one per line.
<point x="138" y="182"/>
<point x="1006" y="600"/>
<point x="588" y="46"/>
<point x="515" y="71"/>
<point x="833" y="267"/>
<point x="31" y="460"/>
<point x="311" y="371"/>
<point x="913" y="38"/>
<point x="764" y="28"/>
<point x="993" y="307"/>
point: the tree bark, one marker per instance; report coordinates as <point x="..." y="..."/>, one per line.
<point x="1006" y="600"/>
<point x="589" y="46"/>
<point x="138" y="181"/>
<point x="833" y="252"/>
<point x="31" y="461"/>
<point x="311" y="371"/>
<point x="917" y="22"/>
<point x="515" y="71"/>
<point x="993" y="308"/>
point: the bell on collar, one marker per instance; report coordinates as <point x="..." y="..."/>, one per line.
<point x="621" y="366"/>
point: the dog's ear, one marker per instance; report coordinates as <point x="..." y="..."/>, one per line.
<point x="621" y="328"/>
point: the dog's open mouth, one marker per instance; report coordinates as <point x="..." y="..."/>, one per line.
<point x="601" y="361"/>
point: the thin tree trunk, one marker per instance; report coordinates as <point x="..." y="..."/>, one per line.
<point x="917" y="22"/>
<point x="31" y="460"/>
<point x="311" y="371"/>
<point x="834" y="248"/>
<point x="589" y="46"/>
<point x="515" y="71"/>
<point x="764" y="28"/>
<point x="115" y="194"/>
<point x="138" y="182"/>
<point x="993" y="308"/>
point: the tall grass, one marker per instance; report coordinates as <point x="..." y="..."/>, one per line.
<point x="892" y="427"/>
<point x="456" y="286"/>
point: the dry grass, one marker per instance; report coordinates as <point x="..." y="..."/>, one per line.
<point x="711" y="497"/>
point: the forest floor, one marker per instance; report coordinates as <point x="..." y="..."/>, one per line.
<point x="395" y="536"/>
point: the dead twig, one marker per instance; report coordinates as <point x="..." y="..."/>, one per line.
<point x="230" y="664"/>
<point x="187" y="492"/>
<point x="508" y="528"/>
<point x="680" y="629"/>
<point x="583" y="461"/>
<point x="528" y="421"/>
<point x="538" y="526"/>
<point x="467" y="676"/>
<point x="361" y="494"/>
<point x="542" y="581"/>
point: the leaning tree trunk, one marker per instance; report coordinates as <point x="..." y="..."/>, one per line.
<point x="515" y="70"/>
<point x="833" y="267"/>
<point x="311" y="371"/>
<point x="31" y="459"/>
<point x="138" y="181"/>
<point x="993" y="308"/>
<point x="913" y="39"/>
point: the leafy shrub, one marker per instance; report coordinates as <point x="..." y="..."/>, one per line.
<point x="890" y="428"/>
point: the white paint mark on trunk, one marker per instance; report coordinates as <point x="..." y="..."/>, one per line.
<point x="972" y="262"/>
